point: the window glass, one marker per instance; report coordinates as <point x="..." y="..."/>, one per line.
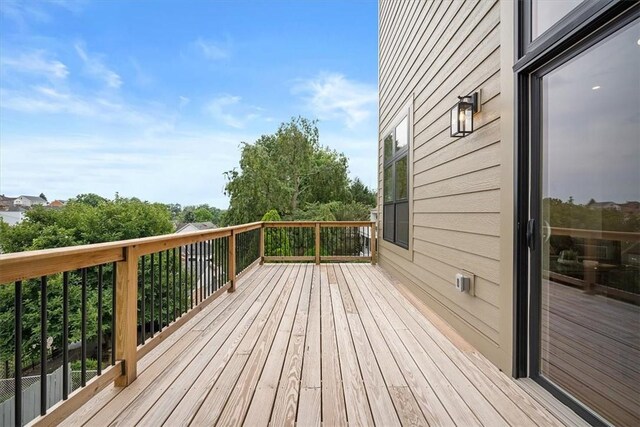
<point x="401" y="179"/>
<point x="388" y="219"/>
<point x="590" y="208"/>
<point x="545" y="13"/>
<point x="402" y="134"/>
<point x="402" y="223"/>
<point x="388" y="184"/>
<point x="388" y="147"/>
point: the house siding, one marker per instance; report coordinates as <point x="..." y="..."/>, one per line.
<point x="430" y="53"/>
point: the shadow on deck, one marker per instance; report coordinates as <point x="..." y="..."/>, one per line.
<point x="331" y="344"/>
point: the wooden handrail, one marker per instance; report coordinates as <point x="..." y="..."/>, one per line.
<point x="621" y="236"/>
<point x="32" y="264"/>
<point x="270" y="224"/>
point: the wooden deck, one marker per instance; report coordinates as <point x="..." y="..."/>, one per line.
<point x="591" y="347"/>
<point x="335" y="344"/>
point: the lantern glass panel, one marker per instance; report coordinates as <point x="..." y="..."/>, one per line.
<point x="454" y="121"/>
<point x="466" y="118"/>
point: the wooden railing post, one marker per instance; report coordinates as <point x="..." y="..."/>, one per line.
<point x="317" y="243"/>
<point x="262" y="244"/>
<point x="127" y="316"/>
<point x="372" y="242"/>
<point x="232" y="261"/>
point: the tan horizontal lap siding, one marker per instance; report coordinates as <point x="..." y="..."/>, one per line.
<point x="434" y="51"/>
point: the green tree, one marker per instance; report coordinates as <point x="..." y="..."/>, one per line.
<point x="90" y="199"/>
<point x="85" y="219"/>
<point x="360" y="193"/>
<point x="276" y="242"/>
<point x="201" y="213"/>
<point x="175" y="209"/>
<point x="284" y="171"/>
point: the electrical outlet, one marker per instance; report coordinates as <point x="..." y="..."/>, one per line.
<point x="462" y="283"/>
<point x="472" y="282"/>
<point x="465" y="282"/>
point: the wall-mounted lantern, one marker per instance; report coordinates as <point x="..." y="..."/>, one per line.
<point x="462" y="114"/>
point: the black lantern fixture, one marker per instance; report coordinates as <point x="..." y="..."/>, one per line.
<point x="462" y="114"/>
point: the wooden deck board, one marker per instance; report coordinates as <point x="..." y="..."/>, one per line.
<point x="300" y="344"/>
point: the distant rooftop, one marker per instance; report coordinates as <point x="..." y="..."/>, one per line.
<point x="196" y="225"/>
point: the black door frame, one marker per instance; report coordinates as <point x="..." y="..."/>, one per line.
<point x="585" y="26"/>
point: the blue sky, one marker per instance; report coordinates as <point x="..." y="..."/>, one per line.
<point x="152" y="98"/>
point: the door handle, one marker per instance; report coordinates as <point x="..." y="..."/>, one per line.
<point x="531" y="236"/>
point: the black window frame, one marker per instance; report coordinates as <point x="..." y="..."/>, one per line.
<point x="584" y="26"/>
<point x="397" y="155"/>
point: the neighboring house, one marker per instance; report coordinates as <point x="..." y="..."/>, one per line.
<point x="603" y="205"/>
<point x="487" y="108"/>
<point x="630" y="208"/>
<point x="6" y="202"/>
<point x="195" y="252"/>
<point x="57" y="203"/>
<point x="29" y="201"/>
<point x="13" y="216"/>
<point x="195" y="226"/>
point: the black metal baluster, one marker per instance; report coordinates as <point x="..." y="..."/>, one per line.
<point x="180" y="281"/>
<point x="18" y="355"/>
<point x="167" y="291"/>
<point x="152" y="317"/>
<point x="201" y="272"/>
<point x="198" y="272"/>
<point x="201" y="275"/>
<point x="216" y="257"/>
<point x="206" y="268"/>
<point x="83" y="331"/>
<point x="65" y="335"/>
<point x="143" y="304"/>
<point x="113" y="314"/>
<point x="160" y="288"/>
<point x="192" y="275"/>
<point x="218" y="263"/>
<point x="210" y="264"/>
<point x="43" y="345"/>
<point x="186" y="281"/>
<point x="173" y="272"/>
<point x="99" y="345"/>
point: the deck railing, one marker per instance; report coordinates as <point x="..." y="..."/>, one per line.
<point x="145" y="289"/>
<point x="601" y="253"/>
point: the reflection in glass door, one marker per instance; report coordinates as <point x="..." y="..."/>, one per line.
<point x="589" y="324"/>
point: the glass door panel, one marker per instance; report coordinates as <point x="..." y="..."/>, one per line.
<point x="589" y="332"/>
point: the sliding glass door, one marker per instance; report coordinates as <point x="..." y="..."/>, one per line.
<point x="585" y="225"/>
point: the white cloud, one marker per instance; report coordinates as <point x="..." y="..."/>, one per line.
<point x="229" y="110"/>
<point x="212" y="50"/>
<point x="22" y="12"/>
<point x="36" y="62"/>
<point x="184" y="101"/>
<point x="95" y="66"/>
<point x="49" y="100"/>
<point x="66" y="165"/>
<point x="332" y="96"/>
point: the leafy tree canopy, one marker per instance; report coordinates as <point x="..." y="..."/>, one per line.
<point x="287" y="171"/>
<point x="200" y="213"/>
<point x="86" y="219"/>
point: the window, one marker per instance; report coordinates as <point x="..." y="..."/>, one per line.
<point x="395" y="225"/>
<point x="545" y="13"/>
